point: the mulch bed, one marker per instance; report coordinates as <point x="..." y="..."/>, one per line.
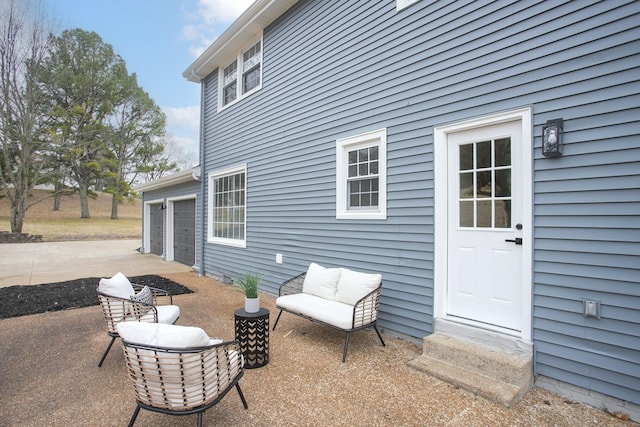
<point x="24" y="300"/>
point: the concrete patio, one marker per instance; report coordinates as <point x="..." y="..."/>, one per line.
<point x="49" y="373"/>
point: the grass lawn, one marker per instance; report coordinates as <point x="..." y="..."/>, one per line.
<point x="66" y="224"/>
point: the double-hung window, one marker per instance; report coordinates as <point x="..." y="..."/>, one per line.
<point x="227" y="207"/>
<point x="242" y="76"/>
<point x="361" y="176"/>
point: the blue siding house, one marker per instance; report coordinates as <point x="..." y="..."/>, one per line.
<point x="484" y="157"/>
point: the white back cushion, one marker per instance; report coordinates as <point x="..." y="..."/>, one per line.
<point x="321" y="282"/>
<point x="163" y="335"/>
<point x="354" y="285"/>
<point x="117" y="286"/>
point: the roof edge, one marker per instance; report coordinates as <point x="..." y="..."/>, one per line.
<point x="258" y="16"/>
<point x="192" y="174"/>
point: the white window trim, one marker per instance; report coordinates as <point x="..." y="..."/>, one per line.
<point x="403" y="4"/>
<point x="239" y="73"/>
<point x="218" y="174"/>
<point x="343" y="146"/>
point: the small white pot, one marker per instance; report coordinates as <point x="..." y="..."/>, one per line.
<point x="252" y="305"/>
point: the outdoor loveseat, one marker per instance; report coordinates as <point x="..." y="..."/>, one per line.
<point x="340" y="298"/>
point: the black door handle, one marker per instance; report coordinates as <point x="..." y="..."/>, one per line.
<point x="517" y="240"/>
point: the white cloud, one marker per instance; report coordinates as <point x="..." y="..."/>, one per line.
<point x="183" y="124"/>
<point x="209" y="20"/>
<point x="187" y="118"/>
<point x="190" y="32"/>
<point x="222" y="11"/>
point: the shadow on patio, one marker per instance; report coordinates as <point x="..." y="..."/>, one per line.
<point x="49" y="376"/>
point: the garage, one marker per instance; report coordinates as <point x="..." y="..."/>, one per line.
<point x="170" y="223"/>
<point x="184" y="231"/>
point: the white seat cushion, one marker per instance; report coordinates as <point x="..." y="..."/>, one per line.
<point x="117" y="286"/>
<point x="333" y="313"/>
<point x="321" y="281"/>
<point x="168" y="313"/>
<point x="354" y="285"/>
<point x="163" y="335"/>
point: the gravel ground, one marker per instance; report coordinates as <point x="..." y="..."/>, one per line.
<point x="49" y="376"/>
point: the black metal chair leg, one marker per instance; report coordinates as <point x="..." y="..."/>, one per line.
<point x="277" y="318"/>
<point x="346" y="344"/>
<point x="134" y="416"/>
<point x="379" y="336"/>
<point x="244" y="402"/>
<point x="199" y="422"/>
<point x="106" y="352"/>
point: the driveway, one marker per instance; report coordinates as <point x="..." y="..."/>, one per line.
<point x="47" y="262"/>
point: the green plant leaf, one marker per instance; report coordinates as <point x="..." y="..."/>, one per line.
<point x="248" y="284"/>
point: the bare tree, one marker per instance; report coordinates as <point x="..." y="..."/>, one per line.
<point x="173" y="149"/>
<point x="24" y="30"/>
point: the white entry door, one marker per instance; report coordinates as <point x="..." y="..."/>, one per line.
<point x="485" y="226"/>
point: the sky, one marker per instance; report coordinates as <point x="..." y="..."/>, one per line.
<point x="158" y="40"/>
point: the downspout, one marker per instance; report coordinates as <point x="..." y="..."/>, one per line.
<point x="202" y="180"/>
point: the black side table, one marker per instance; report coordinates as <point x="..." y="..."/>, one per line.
<point x="252" y="332"/>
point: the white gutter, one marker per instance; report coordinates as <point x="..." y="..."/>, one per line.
<point x="248" y="26"/>
<point x="188" y="175"/>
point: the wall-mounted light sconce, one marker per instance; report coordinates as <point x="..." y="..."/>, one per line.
<point x="552" y="138"/>
<point x="162" y="207"/>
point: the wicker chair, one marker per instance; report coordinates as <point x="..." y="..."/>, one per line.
<point x="118" y="309"/>
<point x="179" y="380"/>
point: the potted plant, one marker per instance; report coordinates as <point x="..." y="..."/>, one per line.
<point x="248" y="284"/>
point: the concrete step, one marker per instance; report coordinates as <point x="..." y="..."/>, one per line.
<point x="492" y="373"/>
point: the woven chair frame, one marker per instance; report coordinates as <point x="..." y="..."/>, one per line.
<point x="183" y="381"/>
<point x="365" y="310"/>
<point x="116" y="310"/>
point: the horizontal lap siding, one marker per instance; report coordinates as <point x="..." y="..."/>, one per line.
<point x="174" y="191"/>
<point x="306" y="103"/>
<point x="337" y="69"/>
<point x="587" y="212"/>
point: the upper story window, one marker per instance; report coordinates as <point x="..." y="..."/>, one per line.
<point x="362" y="176"/>
<point x="401" y="4"/>
<point x="227" y="207"/>
<point x="242" y="76"/>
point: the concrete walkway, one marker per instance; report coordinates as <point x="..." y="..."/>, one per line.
<point x="47" y="262"/>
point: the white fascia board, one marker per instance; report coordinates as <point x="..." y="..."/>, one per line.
<point x="247" y="27"/>
<point x="188" y="175"/>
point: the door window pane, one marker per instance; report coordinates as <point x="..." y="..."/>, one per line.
<point x="503" y="152"/>
<point x="503" y="213"/>
<point x="466" y="185"/>
<point x="483" y="216"/>
<point x="466" y="157"/>
<point x="484" y="154"/>
<point x="485" y="184"/>
<point x="466" y="214"/>
<point x="503" y="183"/>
